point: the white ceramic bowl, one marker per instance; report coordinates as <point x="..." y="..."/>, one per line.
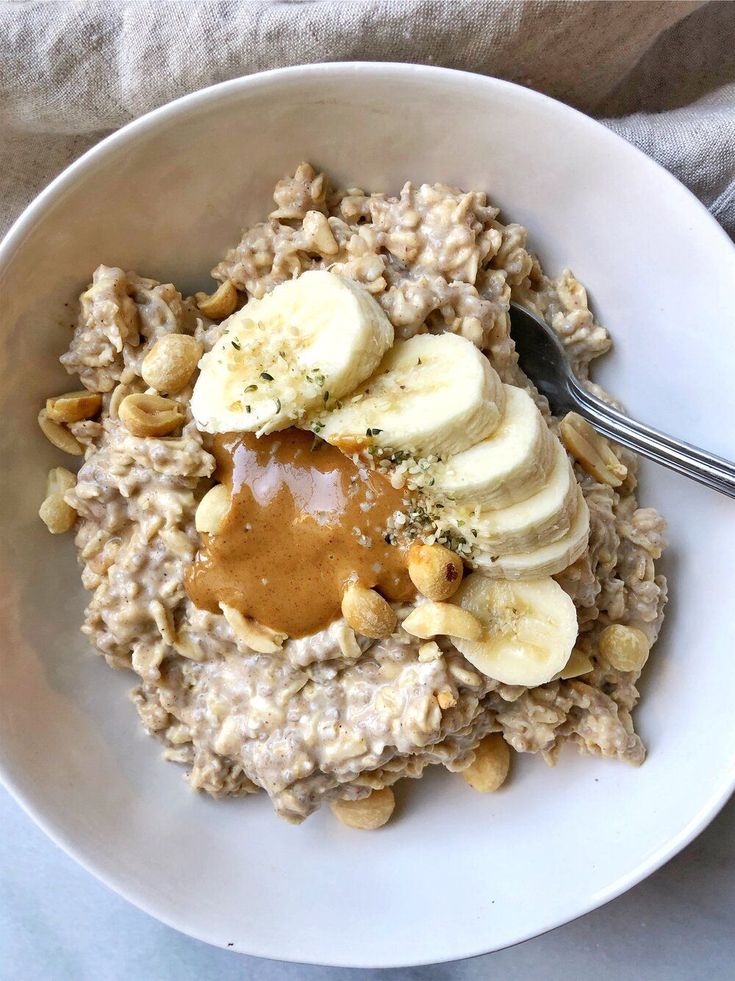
<point x="457" y="873"/>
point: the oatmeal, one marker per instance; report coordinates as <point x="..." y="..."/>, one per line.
<point x="332" y="527"/>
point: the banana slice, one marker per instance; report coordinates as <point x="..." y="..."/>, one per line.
<point x="434" y="394"/>
<point x="509" y="466"/>
<point x="308" y="342"/>
<point x="530" y="628"/>
<point x="547" y="560"/>
<point x="539" y="520"/>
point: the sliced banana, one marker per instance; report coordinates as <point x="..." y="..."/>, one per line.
<point x="302" y="346"/>
<point x="434" y="394"/>
<point x="547" y="560"/>
<point x="539" y="520"/>
<point x="509" y="466"/>
<point x="530" y="628"/>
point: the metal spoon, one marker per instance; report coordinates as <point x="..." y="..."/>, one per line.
<point x="544" y="360"/>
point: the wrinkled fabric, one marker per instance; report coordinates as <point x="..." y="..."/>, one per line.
<point x="660" y="73"/>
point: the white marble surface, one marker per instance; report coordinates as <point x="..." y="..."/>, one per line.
<point x="57" y="923"/>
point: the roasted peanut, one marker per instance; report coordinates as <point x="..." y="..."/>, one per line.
<point x="433" y="619"/>
<point x="252" y="634"/>
<point x="171" y="362"/>
<point x="367" y="612"/>
<point x="56" y="514"/>
<point x="150" y="415"/>
<point x="219" y="304"/>
<point x="625" y="648"/>
<point x="212" y="510"/>
<point x="73" y="406"/>
<point x="367" y="814"/>
<point x="489" y="769"/>
<point x="59" y="481"/>
<point x="60" y="437"/>
<point x="435" y="571"/>
<point x="591" y="450"/>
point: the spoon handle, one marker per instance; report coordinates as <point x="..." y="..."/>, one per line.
<point x="710" y="470"/>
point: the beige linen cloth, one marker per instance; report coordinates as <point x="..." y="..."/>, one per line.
<point x="662" y="74"/>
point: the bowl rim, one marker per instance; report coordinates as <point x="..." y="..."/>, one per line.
<point x="14" y="238"/>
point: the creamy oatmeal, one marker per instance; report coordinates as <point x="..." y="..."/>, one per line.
<point x="331" y="526"/>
